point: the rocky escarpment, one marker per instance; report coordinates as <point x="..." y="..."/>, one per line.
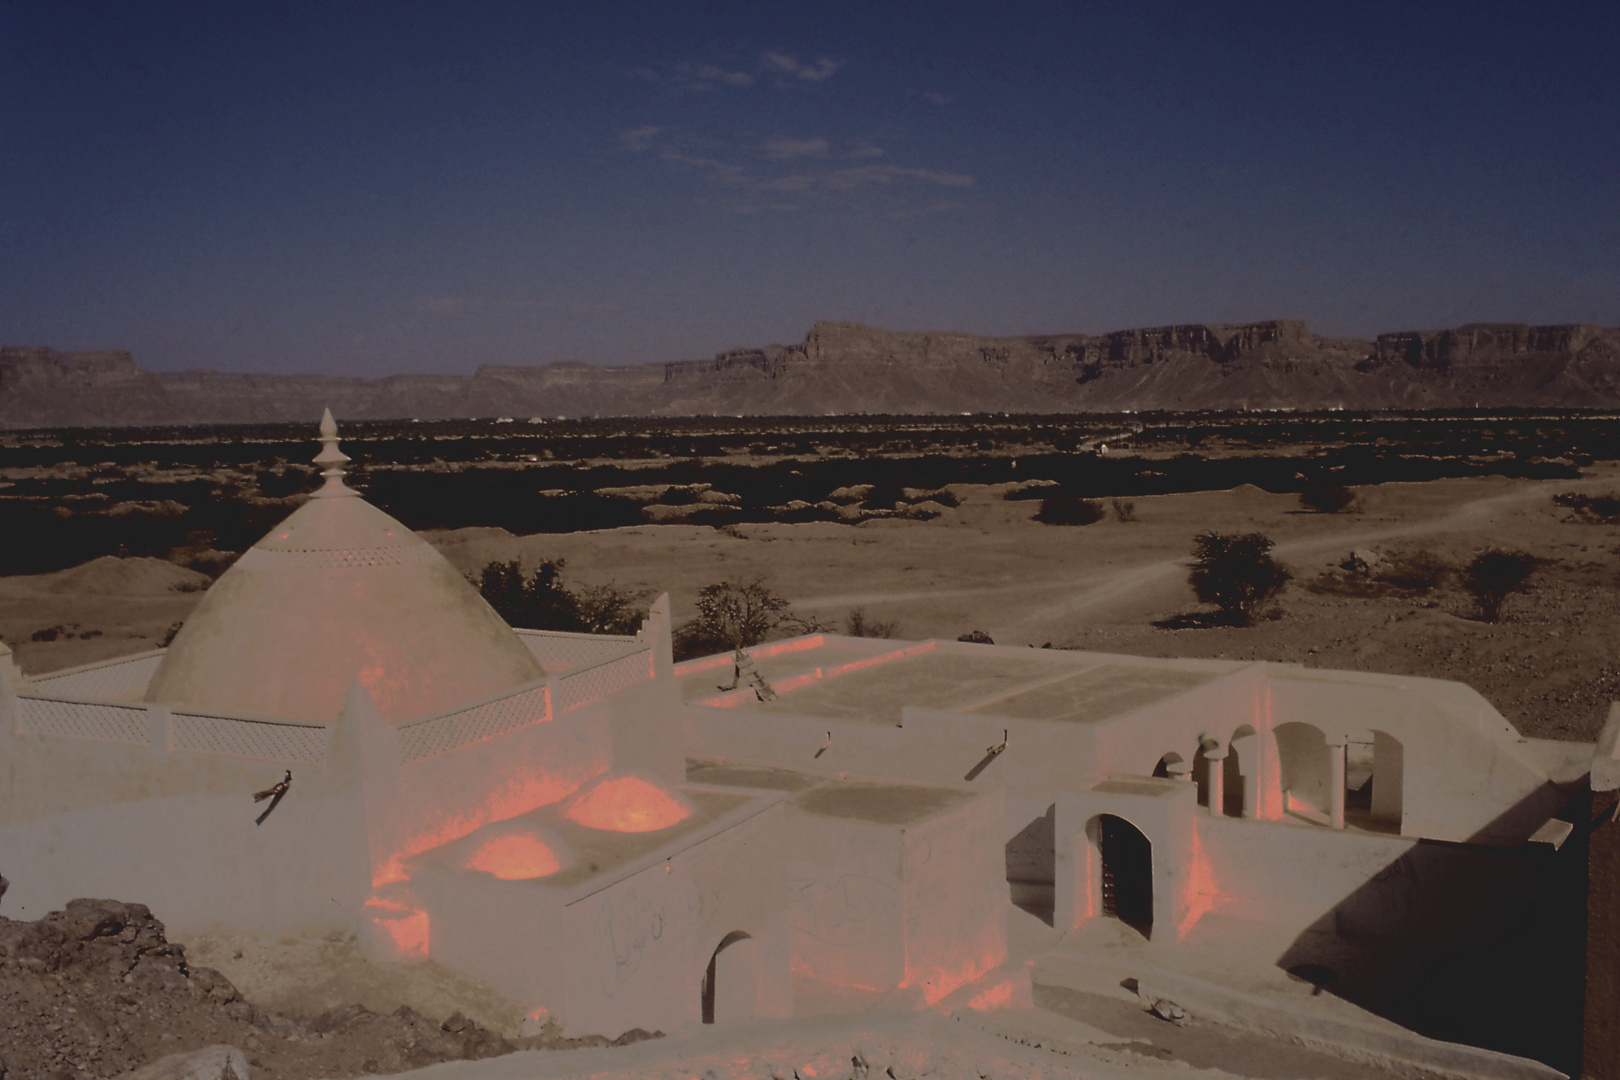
<point x="845" y="367"/>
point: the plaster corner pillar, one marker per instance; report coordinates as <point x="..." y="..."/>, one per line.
<point x="159" y="724"/>
<point x="1179" y="770"/>
<point x="1215" y="780"/>
<point x="1336" y="745"/>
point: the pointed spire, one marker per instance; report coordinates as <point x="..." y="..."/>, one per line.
<point x="331" y="460"/>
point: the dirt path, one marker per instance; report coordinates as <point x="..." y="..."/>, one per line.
<point x="1112" y="591"/>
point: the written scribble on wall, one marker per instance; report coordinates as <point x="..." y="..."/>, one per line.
<point x="850" y="911"/>
<point x="627" y="925"/>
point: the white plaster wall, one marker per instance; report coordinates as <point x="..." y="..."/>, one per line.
<point x="1293" y="876"/>
<point x="638" y="949"/>
<point x="175" y="832"/>
<point x="956" y="897"/>
<point x="507" y="933"/>
<point x="845" y="900"/>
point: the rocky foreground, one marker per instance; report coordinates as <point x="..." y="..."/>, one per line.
<point x="847" y="368"/>
<point x="98" y="990"/>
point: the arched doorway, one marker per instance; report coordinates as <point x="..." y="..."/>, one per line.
<point x="1304" y="770"/>
<point x="1127" y="872"/>
<point x="728" y="986"/>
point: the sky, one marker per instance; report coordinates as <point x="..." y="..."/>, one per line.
<point x="362" y="188"/>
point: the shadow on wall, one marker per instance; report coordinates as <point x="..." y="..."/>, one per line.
<point x="1467" y="943"/>
<point x="1032" y="866"/>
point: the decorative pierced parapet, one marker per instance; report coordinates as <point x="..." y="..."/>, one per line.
<point x="463" y="727"/>
<point x="559" y="653"/>
<point x="119" y="679"/>
<point x="94" y="720"/>
<point x="579" y="688"/>
<point x="234" y="736"/>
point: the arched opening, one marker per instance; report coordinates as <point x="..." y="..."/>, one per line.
<point x="1304" y="771"/>
<point x="1242" y="774"/>
<point x="1374" y="779"/>
<point x="1171" y="767"/>
<point x="728" y="987"/>
<point x="1032" y="866"/>
<point x="1127" y="872"/>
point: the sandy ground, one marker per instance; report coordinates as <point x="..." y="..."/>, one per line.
<point x="1549" y="665"/>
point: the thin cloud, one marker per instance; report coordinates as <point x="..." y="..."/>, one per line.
<point x="781" y="63"/>
<point x="785" y="149"/>
<point x="710" y="77"/>
<point x="638" y="139"/>
<point x="867" y="152"/>
<point x="936" y="98"/>
<point x="865" y="175"/>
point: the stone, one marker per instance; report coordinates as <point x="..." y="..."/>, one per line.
<point x="210" y="1063"/>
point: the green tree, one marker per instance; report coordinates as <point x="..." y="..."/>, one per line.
<point x="1494" y="575"/>
<point x="536" y="602"/>
<point x="1236" y="573"/>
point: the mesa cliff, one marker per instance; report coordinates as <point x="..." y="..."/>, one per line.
<point x="843" y="367"/>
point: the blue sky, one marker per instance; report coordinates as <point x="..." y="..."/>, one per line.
<point x="368" y="188"/>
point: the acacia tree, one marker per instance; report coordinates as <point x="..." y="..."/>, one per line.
<point x="1236" y="573"/>
<point x="1494" y="575"/>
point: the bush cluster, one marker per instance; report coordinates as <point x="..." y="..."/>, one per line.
<point x="540" y="601"/>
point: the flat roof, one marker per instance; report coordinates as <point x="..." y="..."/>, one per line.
<point x="1096" y="694"/>
<point x="597" y="851"/>
<point x="851" y="681"/>
<point x="872" y="801"/>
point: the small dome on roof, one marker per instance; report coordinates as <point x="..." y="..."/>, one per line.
<point x="340" y="591"/>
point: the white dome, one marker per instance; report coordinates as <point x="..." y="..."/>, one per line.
<point x="337" y="592"/>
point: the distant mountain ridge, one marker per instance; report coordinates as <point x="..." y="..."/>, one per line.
<point x="843" y="367"/>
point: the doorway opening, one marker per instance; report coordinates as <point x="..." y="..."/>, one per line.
<point x="1127" y="873"/>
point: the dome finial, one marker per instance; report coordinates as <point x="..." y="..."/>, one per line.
<point x="332" y="460"/>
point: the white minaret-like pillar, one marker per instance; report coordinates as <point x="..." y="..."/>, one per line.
<point x="331" y="460"/>
<point x="1336" y="745"/>
<point x="1179" y="770"/>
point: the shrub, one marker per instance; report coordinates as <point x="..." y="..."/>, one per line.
<point x="679" y="496"/>
<point x="731" y="615"/>
<point x="1602" y="509"/>
<point x="1066" y="509"/>
<point x="538" y="602"/>
<point x="856" y="624"/>
<point x="608" y="609"/>
<point x="1494" y="575"/>
<point x="1327" y="498"/>
<point x="542" y="602"/>
<point x="1236" y="573"/>
<point x="883" y="495"/>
